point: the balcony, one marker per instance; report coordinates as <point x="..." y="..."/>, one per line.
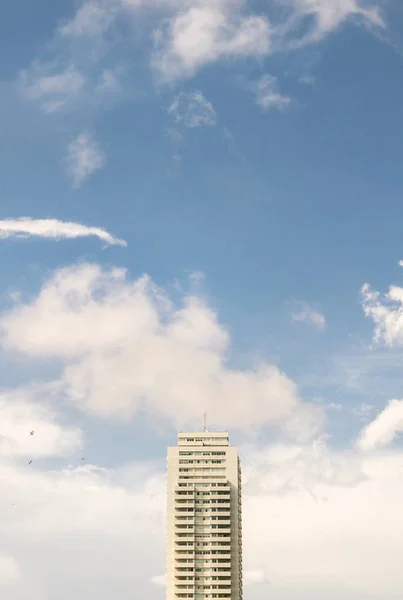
<point x="213" y="574"/>
<point x="206" y="522"/>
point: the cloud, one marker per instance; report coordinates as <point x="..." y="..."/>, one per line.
<point x="310" y="514"/>
<point x="201" y="35"/>
<point x="363" y="411"/>
<point x="384" y="429"/>
<point x="193" y="110"/>
<point x="127" y="349"/>
<point x="304" y="313"/>
<point x="53" y="229"/>
<point x="84" y="157"/>
<point x="53" y="520"/>
<point x="334" y="406"/>
<point x="386" y="313"/>
<point x="91" y="19"/>
<point x="159" y="580"/>
<point x="328" y="15"/>
<point x="9" y="570"/>
<point x="308" y="524"/>
<point x="184" y="36"/>
<point x="20" y="415"/>
<point x="53" y="91"/>
<point x="268" y="95"/>
<point x="255" y="577"/>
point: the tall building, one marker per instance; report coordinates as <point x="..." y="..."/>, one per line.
<point x="204" y="518"/>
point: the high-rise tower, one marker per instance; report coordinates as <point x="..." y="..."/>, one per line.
<point x="204" y="520"/>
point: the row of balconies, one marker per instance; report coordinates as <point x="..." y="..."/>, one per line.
<point x="206" y="573"/>
<point x="183" y="522"/>
<point x="214" y="511"/>
<point x="190" y="556"/>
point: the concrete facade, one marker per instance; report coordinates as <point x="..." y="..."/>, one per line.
<point x="204" y="518"/>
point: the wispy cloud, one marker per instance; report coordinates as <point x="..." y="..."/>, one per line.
<point x="304" y="313"/>
<point x="53" y="229"/>
<point x="268" y="94"/>
<point x="328" y="15"/>
<point x="185" y="35"/>
<point x="363" y="411"/>
<point x="84" y="157"/>
<point x="192" y="110"/>
<point x="334" y="406"/>
<point x="53" y="91"/>
<point x="91" y="19"/>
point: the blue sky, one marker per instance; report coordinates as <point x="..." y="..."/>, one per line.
<point x="194" y="194"/>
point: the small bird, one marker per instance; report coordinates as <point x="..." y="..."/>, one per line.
<point x="31" y="432"/>
<point x="30" y="462"/>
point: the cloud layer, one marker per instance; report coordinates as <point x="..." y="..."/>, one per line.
<point x="309" y="509"/>
<point x="309" y="526"/>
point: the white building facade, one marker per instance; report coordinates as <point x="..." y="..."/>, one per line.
<point x="204" y="518"/>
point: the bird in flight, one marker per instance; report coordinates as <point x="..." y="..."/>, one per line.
<point x="31" y="432"/>
<point x="30" y="462"/>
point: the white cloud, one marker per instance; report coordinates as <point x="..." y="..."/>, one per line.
<point x="160" y="580"/>
<point x="310" y="514"/>
<point x="52" y="521"/>
<point x="268" y="95"/>
<point x="84" y="157"/>
<point x="202" y="35"/>
<point x="53" y="91"/>
<point x="384" y="429"/>
<point x="256" y="576"/>
<point x="386" y="313"/>
<point x="53" y="229"/>
<point x="187" y="35"/>
<point x="304" y="313"/>
<point x="9" y="570"/>
<point x="193" y="110"/>
<point x="20" y="414"/>
<point x="127" y="348"/>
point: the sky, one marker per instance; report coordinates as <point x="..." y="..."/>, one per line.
<point x="201" y="211"/>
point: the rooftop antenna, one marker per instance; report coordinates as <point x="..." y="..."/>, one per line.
<point x="205" y="422"/>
